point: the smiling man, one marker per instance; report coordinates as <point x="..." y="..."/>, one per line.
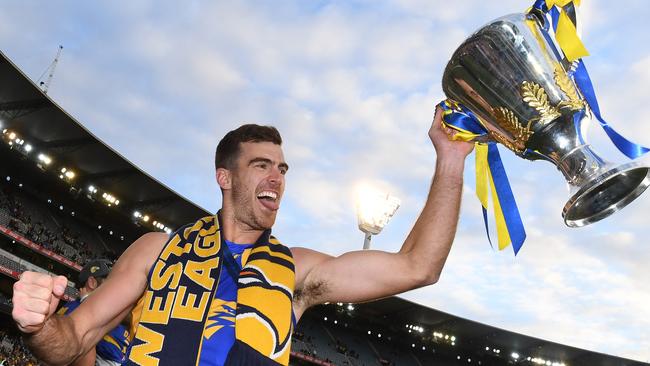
<point x="222" y="290"/>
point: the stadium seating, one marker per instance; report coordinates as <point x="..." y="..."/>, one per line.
<point x="45" y="226"/>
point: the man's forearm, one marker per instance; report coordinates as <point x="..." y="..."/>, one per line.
<point x="56" y="343"/>
<point x="429" y="242"/>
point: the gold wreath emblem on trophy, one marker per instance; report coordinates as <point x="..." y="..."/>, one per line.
<point x="509" y="121"/>
<point x="574" y="103"/>
<point x="537" y="98"/>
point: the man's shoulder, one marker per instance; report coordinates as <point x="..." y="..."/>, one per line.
<point x="142" y="253"/>
<point x="306" y="253"/>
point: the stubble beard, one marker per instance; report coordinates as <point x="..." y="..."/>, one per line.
<point x="244" y="211"/>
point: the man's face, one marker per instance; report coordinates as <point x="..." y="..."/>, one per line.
<point x="258" y="184"/>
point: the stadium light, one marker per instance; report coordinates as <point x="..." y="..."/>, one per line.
<point x="515" y="355"/>
<point x="12" y="135"/>
<point x="44" y="159"/>
<point x="28" y="148"/>
<point x="374" y="210"/>
<point x="145" y="218"/>
<point x="66" y="174"/>
<point x="110" y="199"/>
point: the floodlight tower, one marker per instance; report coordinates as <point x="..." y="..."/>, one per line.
<point x="374" y="210"/>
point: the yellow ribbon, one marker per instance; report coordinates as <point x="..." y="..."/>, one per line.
<point x="481" y="174"/>
<point x="483" y="180"/>
<point x="566" y="33"/>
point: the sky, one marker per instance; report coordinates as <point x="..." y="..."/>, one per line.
<point x="352" y="86"/>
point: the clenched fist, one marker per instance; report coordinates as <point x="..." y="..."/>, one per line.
<point x="36" y="296"/>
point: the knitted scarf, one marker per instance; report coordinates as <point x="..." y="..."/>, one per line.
<point x="183" y="281"/>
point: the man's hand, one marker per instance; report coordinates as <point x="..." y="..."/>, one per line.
<point x="442" y="139"/>
<point x="36" y="296"/>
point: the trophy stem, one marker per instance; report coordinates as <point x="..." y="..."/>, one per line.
<point x="581" y="164"/>
<point x="605" y="193"/>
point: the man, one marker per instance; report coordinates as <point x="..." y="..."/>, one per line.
<point x="111" y="349"/>
<point x="222" y="291"/>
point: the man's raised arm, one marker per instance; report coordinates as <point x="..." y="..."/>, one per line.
<point x="58" y="340"/>
<point x="367" y="275"/>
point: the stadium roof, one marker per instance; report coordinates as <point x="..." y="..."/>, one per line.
<point x="396" y="312"/>
<point x="29" y="112"/>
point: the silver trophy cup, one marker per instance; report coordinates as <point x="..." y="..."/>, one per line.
<point x="509" y="75"/>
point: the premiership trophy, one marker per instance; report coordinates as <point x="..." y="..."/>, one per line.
<point x="510" y="77"/>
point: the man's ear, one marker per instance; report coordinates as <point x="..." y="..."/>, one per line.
<point x="92" y="283"/>
<point x="224" y="178"/>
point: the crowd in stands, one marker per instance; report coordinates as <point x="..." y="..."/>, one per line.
<point x="343" y="343"/>
<point x="348" y="347"/>
<point x="13" y="352"/>
<point x="5" y="299"/>
<point x="55" y="235"/>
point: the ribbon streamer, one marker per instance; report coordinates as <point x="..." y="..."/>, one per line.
<point x="567" y="38"/>
<point x="491" y="174"/>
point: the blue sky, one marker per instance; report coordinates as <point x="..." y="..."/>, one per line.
<point x="351" y="85"/>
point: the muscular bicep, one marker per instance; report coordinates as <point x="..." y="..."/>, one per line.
<point x="352" y="277"/>
<point x="107" y="306"/>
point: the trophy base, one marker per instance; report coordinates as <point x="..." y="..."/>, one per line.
<point x="606" y="194"/>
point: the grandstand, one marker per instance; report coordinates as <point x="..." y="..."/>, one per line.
<point x="66" y="197"/>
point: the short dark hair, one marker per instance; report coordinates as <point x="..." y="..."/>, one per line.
<point x="229" y="147"/>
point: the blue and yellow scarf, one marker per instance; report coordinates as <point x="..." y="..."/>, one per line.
<point x="176" y="313"/>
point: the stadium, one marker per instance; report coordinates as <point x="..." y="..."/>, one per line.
<point x="67" y="198"/>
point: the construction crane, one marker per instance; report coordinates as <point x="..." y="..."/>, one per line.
<point x="45" y="85"/>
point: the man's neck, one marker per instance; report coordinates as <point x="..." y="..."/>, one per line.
<point x="83" y="293"/>
<point x="235" y="231"/>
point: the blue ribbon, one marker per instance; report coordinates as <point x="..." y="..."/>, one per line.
<point x="460" y="118"/>
<point x="627" y="147"/>
<point x="583" y="81"/>
<point x="506" y="198"/>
